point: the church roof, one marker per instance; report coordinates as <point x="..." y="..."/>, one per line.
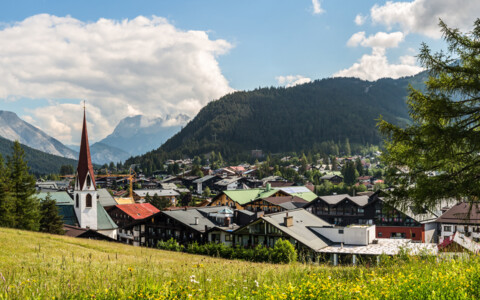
<point x="84" y="159"/>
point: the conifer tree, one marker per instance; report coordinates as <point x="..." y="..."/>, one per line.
<point x="50" y="220"/>
<point x="26" y="205"/>
<point x="437" y="156"/>
<point x="6" y="199"/>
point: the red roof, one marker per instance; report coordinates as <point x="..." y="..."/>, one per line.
<point x="84" y="160"/>
<point x="138" y="211"/>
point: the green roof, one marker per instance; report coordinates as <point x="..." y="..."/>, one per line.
<point x="68" y="214"/>
<point x="105" y="198"/>
<point x="309" y="196"/>
<point x="104" y="222"/>
<point x="59" y="197"/>
<point x="245" y="196"/>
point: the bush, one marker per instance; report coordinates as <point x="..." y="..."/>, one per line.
<point x="283" y="252"/>
<point x="171" y="245"/>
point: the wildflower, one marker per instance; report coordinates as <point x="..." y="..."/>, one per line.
<point x="256" y="283"/>
<point x="130" y="269"/>
<point x="192" y="279"/>
<point x="209" y="280"/>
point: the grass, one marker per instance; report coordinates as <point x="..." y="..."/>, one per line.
<point x="41" y="266"/>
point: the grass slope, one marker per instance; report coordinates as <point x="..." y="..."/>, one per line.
<point x="41" y="266"/>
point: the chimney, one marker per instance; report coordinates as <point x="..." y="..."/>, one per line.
<point x="288" y="221"/>
<point x="269" y="187"/>
<point x="227" y="221"/>
<point x="196" y="220"/>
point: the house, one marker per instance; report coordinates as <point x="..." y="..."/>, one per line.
<point x="171" y="195"/>
<point x="333" y="178"/>
<point x="316" y="240"/>
<point x="459" y="242"/>
<point x="345" y="210"/>
<point x="275" y="204"/>
<point x="463" y="217"/>
<point x="206" y="181"/>
<point x="237" y="198"/>
<point x="127" y="214"/>
<point x="229" y="183"/>
<point x="64" y="203"/>
<point x="85" y="233"/>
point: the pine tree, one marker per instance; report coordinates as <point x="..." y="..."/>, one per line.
<point x="50" y="221"/>
<point x="6" y="200"/>
<point x="349" y="173"/>
<point x="26" y="205"/>
<point x="348" y="150"/>
<point x="359" y="167"/>
<point x="436" y="157"/>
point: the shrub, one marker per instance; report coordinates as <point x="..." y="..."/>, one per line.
<point x="284" y="252"/>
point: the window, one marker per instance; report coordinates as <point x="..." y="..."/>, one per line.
<point x="88" y="202"/>
<point x="447" y="228"/>
<point x="340" y="231"/>
<point x="360" y="210"/>
<point x="228" y="237"/>
<point x="89" y="181"/>
<point x="413" y="235"/>
<point x="77" y="201"/>
<point x="379" y="234"/>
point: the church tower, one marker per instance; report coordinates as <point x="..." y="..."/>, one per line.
<point x="85" y="193"/>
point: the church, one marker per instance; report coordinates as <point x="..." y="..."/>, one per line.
<point x="88" y="210"/>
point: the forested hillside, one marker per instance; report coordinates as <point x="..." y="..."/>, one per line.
<point x="40" y="163"/>
<point x="318" y="116"/>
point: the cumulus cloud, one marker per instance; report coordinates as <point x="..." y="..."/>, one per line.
<point x="292" y="80"/>
<point x="379" y="40"/>
<point x="123" y="68"/>
<point x="422" y="16"/>
<point x="360" y="19"/>
<point x="317" y="8"/>
<point x="375" y="66"/>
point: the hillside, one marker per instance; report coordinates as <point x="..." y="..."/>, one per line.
<point x="13" y="128"/>
<point x="43" y="266"/>
<point x="40" y="163"/>
<point x="309" y="117"/>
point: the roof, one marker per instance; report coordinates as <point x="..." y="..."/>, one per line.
<point x="335" y="199"/>
<point x="168" y="186"/>
<point x="384" y="246"/>
<point x="124" y="200"/>
<point x="299" y="191"/>
<point x="138" y="211"/>
<point x="59" y="197"/>
<point x="104" y="222"/>
<point x="187" y="217"/>
<point x="204" y="178"/>
<point x="462" y="213"/>
<point x="84" y="159"/>
<point x="300" y="230"/>
<point x="68" y="214"/>
<point x="227" y="181"/>
<point x="105" y="198"/>
<point x="161" y="193"/>
<point x="245" y="196"/>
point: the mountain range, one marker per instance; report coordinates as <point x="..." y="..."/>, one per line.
<point x="316" y="116"/>
<point x="132" y="136"/>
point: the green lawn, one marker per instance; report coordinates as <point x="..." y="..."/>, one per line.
<point x="41" y="266"/>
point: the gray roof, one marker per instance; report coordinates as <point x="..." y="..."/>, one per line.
<point x="168" y="186"/>
<point x="59" y="197"/>
<point x="292" y="205"/>
<point x="161" y="193"/>
<point x="105" y="198"/>
<point x="204" y="178"/>
<point x="335" y="199"/>
<point x="227" y="181"/>
<point x="300" y="230"/>
<point x="188" y="216"/>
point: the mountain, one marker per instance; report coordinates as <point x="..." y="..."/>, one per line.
<point x="13" y="128"/>
<point x="316" y="116"/>
<point x="40" y="163"/>
<point x="104" y="154"/>
<point x="140" y="134"/>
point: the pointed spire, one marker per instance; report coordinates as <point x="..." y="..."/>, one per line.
<point x="84" y="159"/>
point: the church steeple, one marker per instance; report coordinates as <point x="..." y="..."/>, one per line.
<point x="85" y="193"/>
<point x="85" y="166"/>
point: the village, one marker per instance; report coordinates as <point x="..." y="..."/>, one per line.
<point x="234" y="207"/>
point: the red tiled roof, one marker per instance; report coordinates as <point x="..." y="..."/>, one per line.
<point x="138" y="211"/>
<point x="84" y="160"/>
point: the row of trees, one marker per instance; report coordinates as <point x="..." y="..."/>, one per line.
<point x="19" y="207"/>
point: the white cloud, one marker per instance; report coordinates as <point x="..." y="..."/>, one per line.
<point x="375" y="66"/>
<point x="128" y="67"/>
<point x="292" y="80"/>
<point x="379" y="40"/>
<point x="360" y="19"/>
<point x="422" y="16"/>
<point x="317" y="8"/>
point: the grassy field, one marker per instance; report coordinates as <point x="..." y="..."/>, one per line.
<point x="41" y="266"/>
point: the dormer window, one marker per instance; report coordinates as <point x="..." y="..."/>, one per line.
<point x="89" y="181"/>
<point x="88" y="202"/>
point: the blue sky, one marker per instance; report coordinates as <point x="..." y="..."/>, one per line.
<point x="59" y="52"/>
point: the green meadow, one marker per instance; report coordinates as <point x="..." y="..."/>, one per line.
<point x="42" y="266"/>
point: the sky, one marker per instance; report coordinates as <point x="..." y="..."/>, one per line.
<point x="159" y="58"/>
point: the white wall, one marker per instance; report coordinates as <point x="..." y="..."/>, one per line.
<point x="361" y="235"/>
